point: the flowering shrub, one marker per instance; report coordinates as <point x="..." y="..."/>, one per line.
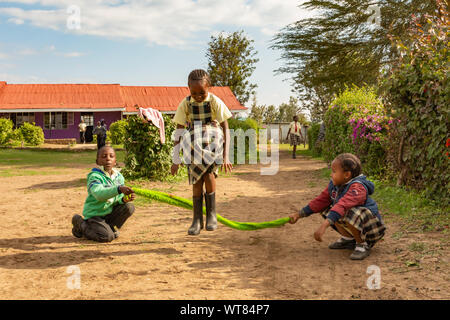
<point x="356" y="122"/>
<point x="369" y="139"/>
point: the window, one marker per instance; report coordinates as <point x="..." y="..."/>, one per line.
<point x="57" y="120"/>
<point x="19" y="118"/>
<point x="88" y="118"/>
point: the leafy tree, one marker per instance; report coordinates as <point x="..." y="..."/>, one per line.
<point x="257" y="112"/>
<point x="231" y="61"/>
<point x="286" y="111"/>
<point x="342" y="46"/>
<point x="271" y="114"/>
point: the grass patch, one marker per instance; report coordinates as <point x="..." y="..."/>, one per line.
<point x="48" y="158"/>
<point x="416" y="211"/>
<point x="301" y="151"/>
<point x="19" y="173"/>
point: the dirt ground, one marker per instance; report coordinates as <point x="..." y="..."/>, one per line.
<point x="154" y="258"/>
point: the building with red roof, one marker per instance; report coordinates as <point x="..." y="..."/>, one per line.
<point x="58" y="108"/>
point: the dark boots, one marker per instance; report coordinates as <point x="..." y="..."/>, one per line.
<point x="197" y="221"/>
<point x="211" y="218"/>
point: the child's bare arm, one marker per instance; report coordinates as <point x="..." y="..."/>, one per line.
<point x="226" y="140"/>
<point x="176" y="151"/>
<point x="321" y="230"/>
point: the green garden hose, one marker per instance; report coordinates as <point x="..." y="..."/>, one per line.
<point x="187" y="204"/>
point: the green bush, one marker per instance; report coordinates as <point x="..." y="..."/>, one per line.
<point x="117" y="131"/>
<point x="244" y="125"/>
<point x="314" y="145"/>
<point x="32" y="134"/>
<point x="418" y="93"/>
<point x="146" y="157"/>
<point x="108" y="138"/>
<point x="356" y="122"/>
<point x="6" y="130"/>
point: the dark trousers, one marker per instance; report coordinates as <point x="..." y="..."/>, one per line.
<point x="82" y="136"/>
<point x="101" y="141"/>
<point x="101" y="229"/>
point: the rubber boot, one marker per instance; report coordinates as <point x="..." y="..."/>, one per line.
<point x="211" y="218"/>
<point x="197" y="221"/>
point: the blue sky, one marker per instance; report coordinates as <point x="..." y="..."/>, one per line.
<point x="135" y="42"/>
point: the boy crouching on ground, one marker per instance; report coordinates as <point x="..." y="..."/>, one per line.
<point x="107" y="205"/>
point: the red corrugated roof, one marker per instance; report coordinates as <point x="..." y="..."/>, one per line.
<point x="100" y="96"/>
<point x="57" y="96"/>
<point x="168" y="98"/>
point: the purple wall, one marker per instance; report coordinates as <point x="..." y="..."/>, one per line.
<point x="72" y="130"/>
<point x="109" y="117"/>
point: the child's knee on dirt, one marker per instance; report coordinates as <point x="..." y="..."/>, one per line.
<point x="106" y="206"/>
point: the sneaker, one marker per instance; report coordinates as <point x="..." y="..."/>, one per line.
<point x="77" y="220"/>
<point x="343" y="244"/>
<point x="361" y="252"/>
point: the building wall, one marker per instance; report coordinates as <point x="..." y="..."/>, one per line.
<point x="283" y="129"/>
<point x="109" y="117"/>
<point x="72" y="131"/>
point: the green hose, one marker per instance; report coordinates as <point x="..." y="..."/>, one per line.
<point x="187" y="204"/>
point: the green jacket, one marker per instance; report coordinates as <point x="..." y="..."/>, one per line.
<point x="103" y="193"/>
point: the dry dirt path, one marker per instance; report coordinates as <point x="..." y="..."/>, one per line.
<point x="154" y="258"/>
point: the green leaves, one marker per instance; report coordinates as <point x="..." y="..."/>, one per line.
<point x="231" y="61"/>
<point x="32" y="134"/>
<point x="146" y="156"/>
<point x="117" y="131"/>
<point x="420" y="95"/>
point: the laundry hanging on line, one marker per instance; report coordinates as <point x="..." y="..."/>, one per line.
<point x="156" y="118"/>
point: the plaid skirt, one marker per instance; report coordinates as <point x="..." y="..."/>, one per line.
<point x="205" y="143"/>
<point x="295" y="139"/>
<point x="371" y="228"/>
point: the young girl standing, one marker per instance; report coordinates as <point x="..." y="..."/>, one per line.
<point x="201" y="112"/>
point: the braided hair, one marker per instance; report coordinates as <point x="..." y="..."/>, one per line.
<point x="199" y="75"/>
<point x="350" y="162"/>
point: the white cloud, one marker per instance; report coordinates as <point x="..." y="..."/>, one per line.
<point x="163" y="22"/>
<point x="16" y="21"/>
<point x="14" y="78"/>
<point x="3" y="56"/>
<point x="71" y="54"/>
<point x="27" y="52"/>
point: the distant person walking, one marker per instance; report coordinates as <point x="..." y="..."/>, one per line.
<point x="100" y="131"/>
<point x="295" y="134"/>
<point x="82" y="127"/>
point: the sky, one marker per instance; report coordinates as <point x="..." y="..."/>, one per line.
<point x="137" y="42"/>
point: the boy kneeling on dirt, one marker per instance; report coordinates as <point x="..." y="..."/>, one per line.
<point x="346" y="206"/>
<point x="107" y="205"/>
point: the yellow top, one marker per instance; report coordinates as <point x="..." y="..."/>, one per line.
<point x="219" y="111"/>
